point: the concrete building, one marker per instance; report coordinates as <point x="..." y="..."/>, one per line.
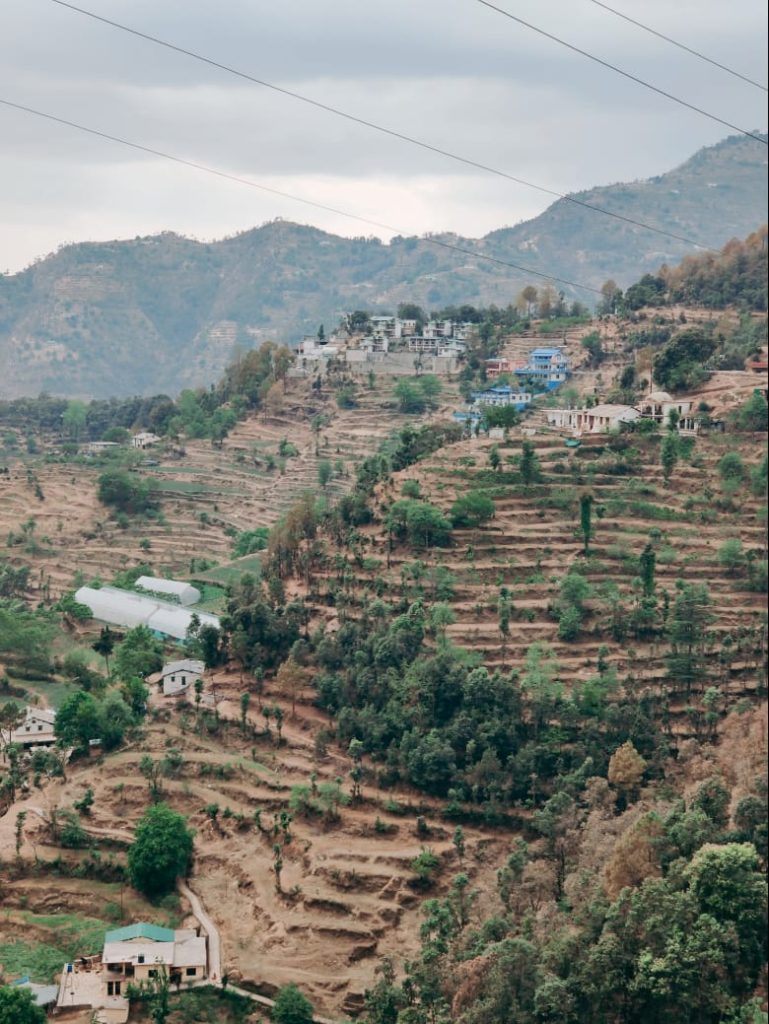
<point x="659" y="404"/>
<point x="496" y="367"/>
<point x="177" y="677"/>
<point x="144" y="439"/>
<point x="128" y="609"/>
<point x="598" y="420"/>
<point x="184" y="592"/>
<point x="36" y="729"/>
<point x="547" y="366"/>
<point x="131" y="956"/>
<point x="502" y="395"/>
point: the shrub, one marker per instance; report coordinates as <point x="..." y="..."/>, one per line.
<point x="471" y="510"/>
<point x="130" y="496"/>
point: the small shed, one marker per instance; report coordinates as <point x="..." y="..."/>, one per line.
<point x="178" y="676"/>
<point x="183" y="592"/>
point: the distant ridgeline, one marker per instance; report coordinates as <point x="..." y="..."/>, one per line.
<point x="163" y="313"/>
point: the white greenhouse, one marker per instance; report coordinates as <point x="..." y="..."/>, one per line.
<point x="125" y="608"/>
<point x="185" y="593"/>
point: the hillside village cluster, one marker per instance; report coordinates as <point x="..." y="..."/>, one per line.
<point x="102" y="981"/>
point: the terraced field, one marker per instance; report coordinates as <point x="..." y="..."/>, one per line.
<point x="534" y="539"/>
<point x="208" y="494"/>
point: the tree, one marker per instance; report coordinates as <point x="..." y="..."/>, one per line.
<point x="585" y="519"/>
<point x="495" y="460"/>
<point x="291" y="679"/>
<point x="753" y="415"/>
<point x="472" y="509"/>
<point x="646" y="567"/>
<point x="626" y="769"/>
<point x="668" y="455"/>
<point x="74" y="419"/>
<point x="161" y="851"/>
<point x="104" y="645"/>
<point x="610" y="295"/>
<point x="139" y="654"/>
<point x="687" y="631"/>
<point x="292" y="1007"/>
<point x="78" y="720"/>
<point x="529" y="464"/>
<point x="325" y="472"/>
<point x="731" y="468"/>
<point x="17" y="1006"/>
<point x="125" y="493"/>
<point x="245" y="700"/>
<point x="731" y="555"/>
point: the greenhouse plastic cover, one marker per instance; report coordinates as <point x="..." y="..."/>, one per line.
<point x="124" y="608"/>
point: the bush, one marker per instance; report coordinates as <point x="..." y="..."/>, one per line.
<point x="753" y="415"/>
<point x="291" y="1007"/>
<point x="731" y="555"/>
<point x="422" y="523"/>
<point x="130" y="496"/>
<point x="731" y="468"/>
<point x="471" y="510"/>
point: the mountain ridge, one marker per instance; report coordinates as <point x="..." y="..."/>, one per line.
<point x="164" y="312"/>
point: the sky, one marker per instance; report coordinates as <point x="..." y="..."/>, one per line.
<point x="450" y="72"/>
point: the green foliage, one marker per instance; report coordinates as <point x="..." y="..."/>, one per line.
<point x="139" y="654"/>
<point x="417" y="395"/>
<point x="17" y="1006"/>
<point x="291" y="1007"/>
<point x="731" y="468"/>
<point x="471" y="509"/>
<point x="753" y="415"/>
<point x="161" y="851"/>
<point x="127" y="494"/>
<point x="421" y="523"/>
<point x="679" y="366"/>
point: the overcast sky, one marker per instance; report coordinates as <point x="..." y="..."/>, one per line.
<point x="448" y="71"/>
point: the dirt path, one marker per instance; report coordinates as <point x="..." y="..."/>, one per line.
<point x="214" y="942"/>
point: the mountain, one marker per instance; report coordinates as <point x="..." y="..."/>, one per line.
<point x="165" y="312"/>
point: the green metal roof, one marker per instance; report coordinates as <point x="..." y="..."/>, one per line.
<point x="140" y="931"/>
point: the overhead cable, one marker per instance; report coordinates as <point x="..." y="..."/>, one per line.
<point x="619" y="71"/>
<point x="681" y="46"/>
<point x="468" y="161"/>
<point x="426" y="239"/>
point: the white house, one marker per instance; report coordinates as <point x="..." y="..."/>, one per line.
<point x="179" y="676"/>
<point x="130" y="956"/>
<point x="36" y="730"/>
<point x="184" y="592"/>
<point x="144" y="439"/>
<point x="659" y="404"/>
<point x="598" y="420"/>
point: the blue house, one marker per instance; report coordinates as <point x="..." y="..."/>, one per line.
<point x="503" y="394"/>
<point x="547" y="366"/>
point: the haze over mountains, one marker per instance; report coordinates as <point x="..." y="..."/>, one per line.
<point x="164" y="312"/>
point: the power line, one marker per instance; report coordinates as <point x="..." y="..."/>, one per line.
<point x="619" y="71"/>
<point x="428" y="240"/>
<point x="681" y="46"/>
<point x="380" y="128"/>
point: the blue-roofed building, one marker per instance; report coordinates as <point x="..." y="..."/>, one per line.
<point x="548" y="366"/>
<point x="504" y="395"/>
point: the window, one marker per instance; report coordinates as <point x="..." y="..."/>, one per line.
<point x="110" y="988"/>
<point x="39" y="728"/>
<point x="152" y="973"/>
<point x="140" y="958"/>
<point x="129" y="971"/>
<point x="191" y="972"/>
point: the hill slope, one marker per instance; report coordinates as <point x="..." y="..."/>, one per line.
<point x="164" y="312"/>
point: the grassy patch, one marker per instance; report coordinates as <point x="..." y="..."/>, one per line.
<point x="222" y="575"/>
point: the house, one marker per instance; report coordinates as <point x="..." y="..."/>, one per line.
<point x="658" y="404"/>
<point x="502" y="395"/>
<point x="130" y="956"/>
<point x="128" y="609"/>
<point x="178" y="676"/>
<point x="99" y="447"/>
<point x="183" y="592"/>
<point x="43" y="995"/>
<point x="598" y="420"/>
<point x="547" y="366"/>
<point x="498" y="366"/>
<point x="36" y="729"/>
<point x="144" y="439"/>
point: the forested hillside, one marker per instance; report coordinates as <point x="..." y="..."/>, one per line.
<point x="164" y="312"/>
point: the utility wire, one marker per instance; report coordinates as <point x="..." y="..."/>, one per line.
<point x="380" y="128"/>
<point x="299" y="199"/>
<point x="681" y="46"/>
<point x="619" y="71"/>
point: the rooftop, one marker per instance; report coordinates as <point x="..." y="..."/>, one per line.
<point x="141" y="930"/>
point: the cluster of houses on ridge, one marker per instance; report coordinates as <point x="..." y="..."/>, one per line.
<point x="600" y="419"/>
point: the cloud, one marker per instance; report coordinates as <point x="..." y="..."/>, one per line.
<point x="447" y="71"/>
